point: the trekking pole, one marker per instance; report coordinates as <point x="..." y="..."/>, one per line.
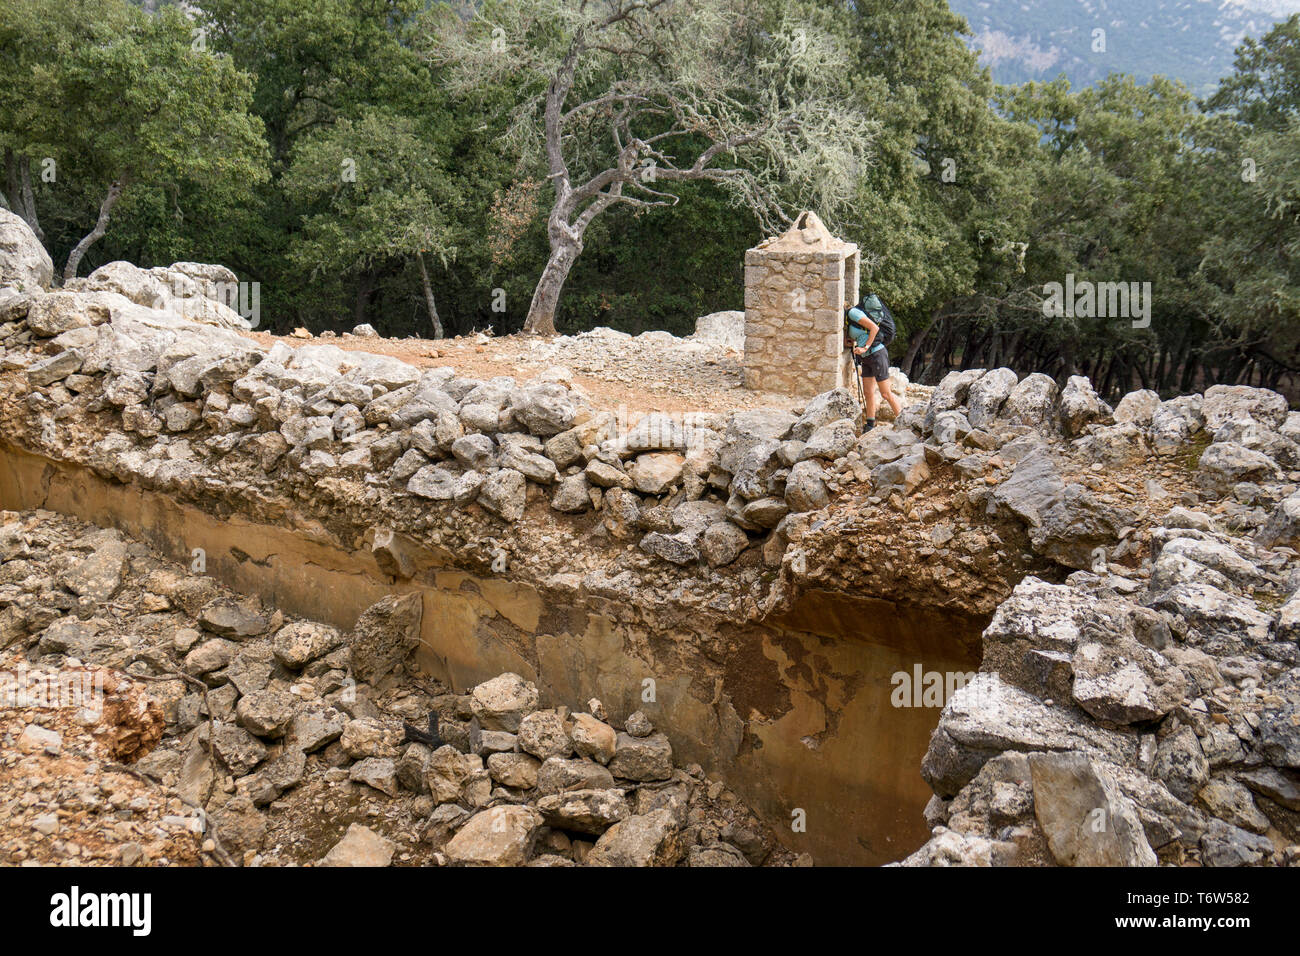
<point x="862" y="389"/>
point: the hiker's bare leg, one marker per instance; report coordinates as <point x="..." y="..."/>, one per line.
<point x="869" y="394"/>
<point x="890" y="397"/>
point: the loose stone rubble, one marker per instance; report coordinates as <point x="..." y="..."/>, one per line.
<point x="1130" y="715"/>
<point x="1137" y="563"/>
<point x="195" y="726"/>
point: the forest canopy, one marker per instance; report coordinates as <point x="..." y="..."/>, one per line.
<point x="434" y="168"/>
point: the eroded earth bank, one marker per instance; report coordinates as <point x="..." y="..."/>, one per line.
<point x="1015" y="626"/>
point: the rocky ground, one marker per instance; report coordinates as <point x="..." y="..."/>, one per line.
<point x="206" y="728"/>
<point x="1138" y="712"/>
<point x="1141" y="669"/>
<point x="650" y="372"/>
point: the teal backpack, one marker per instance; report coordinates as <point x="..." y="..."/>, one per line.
<point x="879" y="313"/>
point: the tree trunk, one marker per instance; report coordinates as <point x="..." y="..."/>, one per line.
<point x="541" y="312"/>
<point x="938" y="358"/>
<point x="428" y="298"/>
<point x="914" y="346"/>
<point x="1189" y="372"/>
<point x="1068" y="366"/>
<point x="365" y="287"/>
<point x="21" y="198"/>
<point x="101" y="226"/>
<point x="29" y="200"/>
<point x="11" y="183"/>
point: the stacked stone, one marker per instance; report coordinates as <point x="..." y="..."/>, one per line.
<point x="192" y="400"/>
<point x="796" y="290"/>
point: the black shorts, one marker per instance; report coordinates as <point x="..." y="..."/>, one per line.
<point x="875" y="365"/>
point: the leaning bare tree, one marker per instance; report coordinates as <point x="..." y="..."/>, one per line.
<point x="619" y="100"/>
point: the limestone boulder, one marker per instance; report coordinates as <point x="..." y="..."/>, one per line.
<point x="499" y="836"/>
<point x="987" y="717"/>
<point x="584" y="811"/>
<point x="1086" y="818"/>
<point x="1180" y="764"/>
<point x="642" y="758"/>
<point x="749" y="427"/>
<point x="531" y="465"/>
<point x="502" y="702"/>
<point x="1124" y="682"/>
<point x="903" y="475"/>
<point x="722" y="542"/>
<point x="1283" y="526"/>
<point x="1081" y="406"/>
<point x="1138" y="407"/>
<point x="655" y="473"/>
<point x="559" y="774"/>
<point x="504" y="494"/>
<point x="951" y="392"/>
<point x="988" y="394"/>
<point x="513" y="770"/>
<point x="266" y="713"/>
<point x="726" y="329"/>
<point x="543" y="734"/>
<point x="833" y="440"/>
<point x="651" y="839"/>
<point x="546" y="408"/>
<point x="298" y="644"/>
<point x="593" y="738"/>
<point x="1080" y="528"/>
<point x="59" y="312"/>
<point x="1034" y="402"/>
<point x="950" y="426"/>
<point x="836" y="405"/>
<point x="1224" y="403"/>
<point x="1175" y="422"/>
<point x="385" y="635"/>
<point x="805" y="488"/>
<point x="678" y="548"/>
<point x="360" y="846"/>
<point x="572" y="495"/>
<point x="1224" y="464"/>
<point x="23" y="260"/>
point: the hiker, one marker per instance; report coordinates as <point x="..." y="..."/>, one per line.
<point x="871" y="326"/>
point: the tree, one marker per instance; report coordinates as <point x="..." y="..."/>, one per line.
<point x="119" y="97"/>
<point x="377" y="191"/>
<point x="33" y="35"/>
<point x="1263" y="91"/>
<point x="940" y="214"/>
<point x="622" y="100"/>
<point x="315" y="64"/>
<point x="158" y="109"/>
<point x="1110" y="168"/>
<point x="1250" y="235"/>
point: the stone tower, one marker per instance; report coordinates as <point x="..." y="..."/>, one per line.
<point x="797" y="287"/>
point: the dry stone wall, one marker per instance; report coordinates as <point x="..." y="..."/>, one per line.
<point x="1138" y="561"/>
<point x="797" y="287"/>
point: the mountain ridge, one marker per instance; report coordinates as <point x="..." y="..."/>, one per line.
<point x="1189" y="40"/>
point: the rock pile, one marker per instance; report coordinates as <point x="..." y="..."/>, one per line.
<point x="189" y="396"/>
<point x="1141" y="668"/>
<point x="283" y="732"/>
<point x="1127" y="715"/>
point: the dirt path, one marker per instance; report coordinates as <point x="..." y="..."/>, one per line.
<point x="654" y="371"/>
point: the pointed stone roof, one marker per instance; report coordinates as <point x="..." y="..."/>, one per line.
<point x="807" y="234"/>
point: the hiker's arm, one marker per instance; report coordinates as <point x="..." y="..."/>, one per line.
<point x="861" y="321"/>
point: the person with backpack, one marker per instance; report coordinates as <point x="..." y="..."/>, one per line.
<point x="871" y="327"/>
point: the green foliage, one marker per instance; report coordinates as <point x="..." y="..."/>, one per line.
<point x="115" y="95"/>
<point x="374" y="191"/>
<point x="231" y="124"/>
